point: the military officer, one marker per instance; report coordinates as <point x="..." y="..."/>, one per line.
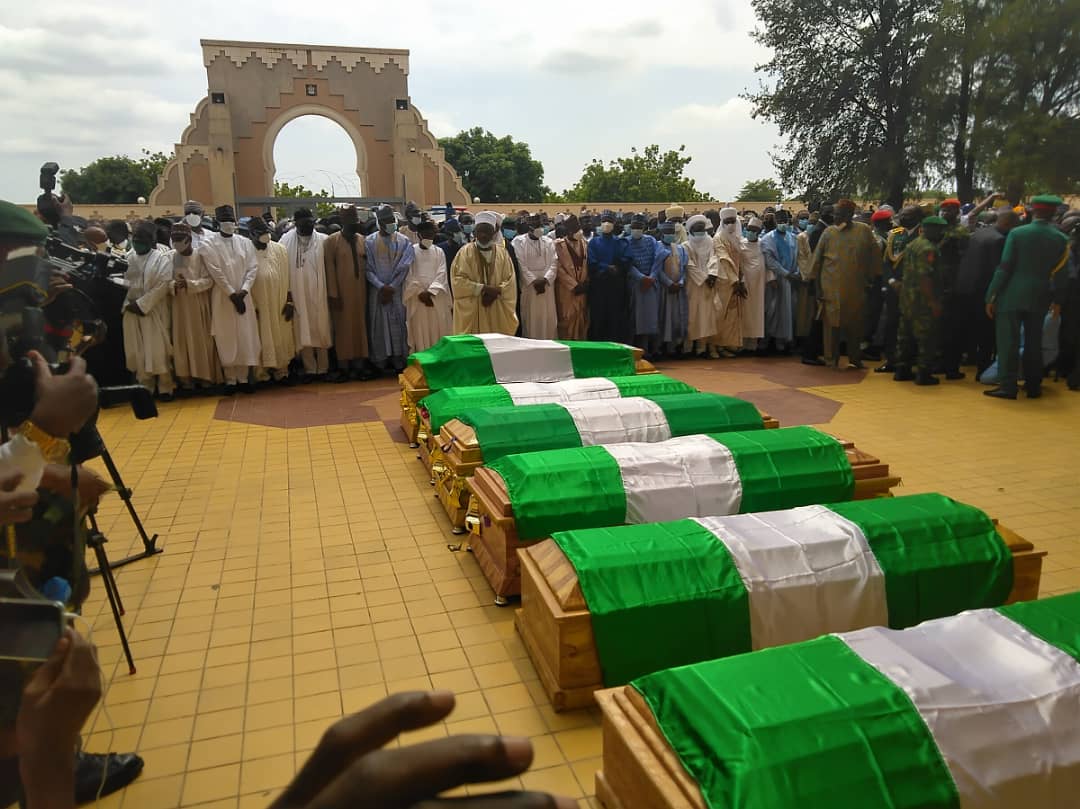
<point x="921" y="304"/>
<point x="892" y="275"/>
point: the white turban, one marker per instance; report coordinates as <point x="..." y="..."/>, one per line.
<point x="755" y="223"/>
<point x="728" y="213"/>
<point x="488" y="218"/>
<point x="697" y="219"/>
<point x="560" y="218"/>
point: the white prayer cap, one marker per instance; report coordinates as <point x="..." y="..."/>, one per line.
<point x="697" y="219"/>
<point x="487" y="218"/>
<point x="560" y="218"/>
<point x="727" y="213"/>
<point x="755" y="223"/>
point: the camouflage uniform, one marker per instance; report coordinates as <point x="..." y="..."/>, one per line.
<point x="951" y="252"/>
<point x="892" y="269"/>
<point x="919" y="329"/>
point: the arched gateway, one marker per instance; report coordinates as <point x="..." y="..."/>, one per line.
<point x="226" y="154"/>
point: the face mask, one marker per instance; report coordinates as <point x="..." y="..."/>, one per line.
<point x="538" y="232"/>
<point x="228" y="228"/>
<point x="414" y="220"/>
<point x="607" y="227"/>
<point x="193" y="220"/>
<point x="669" y="238"/>
<point x="181" y="245"/>
<point x="781" y="227"/>
<point x="468" y="228"/>
<point x="636" y="233"/>
<point x="389" y="227"/>
<point x="509" y="233"/>
<point x="459" y="238"/>
<point x="140" y="248"/>
<point x="482" y="245"/>
<point x="626" y="230"/>
<point x="264" y="238"/>
<point x="305" y="227"/>
<point x="753" y="235"/>
<point x="699" y="235"/>
<point x="803" y="224"/>
<point x="426" y="243"/>
<point x="546" y="230"/>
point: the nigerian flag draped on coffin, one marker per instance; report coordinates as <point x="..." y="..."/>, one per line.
<point x="449" y="403"/>
<point x="486" y="359"/>
<point x="976" y="711"/>
<point x="670" y="594"/>
<point x="689" y="476"/>
<point x="531" y="428"/>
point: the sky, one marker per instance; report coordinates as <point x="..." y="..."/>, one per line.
<point x="80" y="81"/>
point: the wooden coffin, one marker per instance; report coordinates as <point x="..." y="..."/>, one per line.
<point x="494" y="539"/>
<point x="414" y="387"/>
<point x="555" y="625"/>
<point x="455" y="456"/>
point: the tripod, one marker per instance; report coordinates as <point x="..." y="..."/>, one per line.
<point x="96" y="541"/>
<point x="149" y="542"/>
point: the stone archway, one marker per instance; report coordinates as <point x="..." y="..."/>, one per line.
<point x="282" y="120"/>
<point x="255" y="88"/>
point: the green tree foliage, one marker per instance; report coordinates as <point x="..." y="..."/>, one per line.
<point x="294" y="191"/>
<point x="760" y="191"/>
<point x="495" y="169"/>
<point x="844" y="85"/>
<point x="114" y="180"/>
<point x="646" y="176"/>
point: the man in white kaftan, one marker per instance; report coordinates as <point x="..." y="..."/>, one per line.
<point x="704" y="303"/>
<point x="538" y="262"/>
<point x="273" y="305"/>
<point x="147" y="338"/>
<point x="194" y="356"/>
<point x="753" y="270"/>
<point x="429" y="312"/>
<point x="307" y="282"/>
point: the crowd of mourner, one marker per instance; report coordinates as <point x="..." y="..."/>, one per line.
<point x="923" y="291"/>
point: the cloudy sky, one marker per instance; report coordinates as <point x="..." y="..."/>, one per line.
<point x="79" y="81"/>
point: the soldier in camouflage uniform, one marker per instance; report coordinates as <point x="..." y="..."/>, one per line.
<point x="921" y="305"/>
<point x="951" y="252"/>
<point x="892" y="278"/>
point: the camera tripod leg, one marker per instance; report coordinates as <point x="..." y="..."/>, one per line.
<point x="149" y="542"/>
<point x="96" y="540"/>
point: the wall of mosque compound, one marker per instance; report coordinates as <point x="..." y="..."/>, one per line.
<point x="226" y="154"/>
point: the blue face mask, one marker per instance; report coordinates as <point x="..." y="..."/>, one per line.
<point x="803" y="224"/>
<point x="669" y="238"/>
<point x="468" y="228"/>
<point x="459" y="238"/>
<point x="635" y="233"/>
<point x="547" y="230"/>
<point x="510" y="233"/>
<point x="626" y="230"/>
<point x="390" y="227"/>
<point x="781" y="227"/>
<point x="753" y="235"/>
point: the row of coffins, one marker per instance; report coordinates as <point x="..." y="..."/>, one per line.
<point x="756" y="603"/>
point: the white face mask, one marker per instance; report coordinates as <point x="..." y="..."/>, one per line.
<point x="414" y="220"/>
<point x="607" y="227"/>
<point x="228" y="228"/>
<point x="264" y="238"/>
<point x="193" y="220"/>
<point x="482" y="245"/>
<point x="538" y="232"/>
<point x="426" y="243"/>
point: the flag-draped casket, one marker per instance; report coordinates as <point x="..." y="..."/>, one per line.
<point x="974" y="711"/>
<point x="467" y="360"/>
<point x="485" y="434"/>
<point x="528" y="496"/>
<point x="602" y="606"/>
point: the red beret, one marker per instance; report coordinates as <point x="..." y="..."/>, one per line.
<point x="951" y="201"/>
<point x="881" y="216"/>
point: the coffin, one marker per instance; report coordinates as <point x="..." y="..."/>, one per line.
<point x="486" y="359"/>
<point x="977" y="709"/>
<point x="482" y="435"/>
<point x="958" y="558"/>
<point x="783" y="468"/>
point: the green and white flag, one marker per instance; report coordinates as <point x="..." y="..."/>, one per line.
<point x="975" y="711"/>
<point x="645" y="419"/>
<point x="450" y="403"/>
<point x="689" y="476"/>
<point x="750" y="581"/>
<point x="485" y="359"/>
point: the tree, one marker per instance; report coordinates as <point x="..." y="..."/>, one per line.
<point x="760" y="191"/>
<point x="647" y="176"/>
<point x="495" y="169"/>
<point x="845" y="87"/>
<point x="294" y="191"/>
<point x="114" y="180"/>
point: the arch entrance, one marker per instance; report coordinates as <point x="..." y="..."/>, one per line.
<point x="226" y="154"/>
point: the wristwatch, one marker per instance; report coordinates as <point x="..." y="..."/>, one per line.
<point x="55" y="450"/>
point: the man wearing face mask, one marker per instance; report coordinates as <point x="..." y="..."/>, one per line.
<point x="428" y="308"/>
<point x="896" y="243"/>
<point x="702" y="270"/>
<point x="484" y="283"/>
<point x="779" y="249"/>
<point x="468" y="224"/>
<point x="194" y="356"/>
<point x="670" y="268"/>
<point x="644" y="286"/>
<point x="346" y="287"/>
<point x="119" y="234"/>
<point x="608" y="299"/>
<point x="843" y="264"/>
<point x="806" y="318"/>
<point x="753" y="271"/>
<point x="455" y="238"/>
<point x="231" y="262"/>
<point x="147" y="338"/>
<point x="413" y="217"/>
<point x="572" y="282"/>
<point x="389" y="257"/>
<point x="921" y="305"/>
<point x="727" y="244"/>
<point x="536" y="257"/>
<point x="307" y="282"/>
<point x="193" y="218"/>
<point x="676" y="215"/>
<point x="273" y="306"/>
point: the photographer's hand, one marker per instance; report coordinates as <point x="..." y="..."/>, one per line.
<point x="15" y="507"/>
<point x="58" y="284"/>
<point x="63" y="403"/>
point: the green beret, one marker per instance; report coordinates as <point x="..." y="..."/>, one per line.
<point x="1047" y="199"/>
<point x="18" y="223"/>
<point x="935" y="220"/>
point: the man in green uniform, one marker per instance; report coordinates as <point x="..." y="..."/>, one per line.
<point x="892" y="279"/>
<point x="1019" y="296"/>
<point x="952" y="249"/>
<point x="921" y="304"/>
